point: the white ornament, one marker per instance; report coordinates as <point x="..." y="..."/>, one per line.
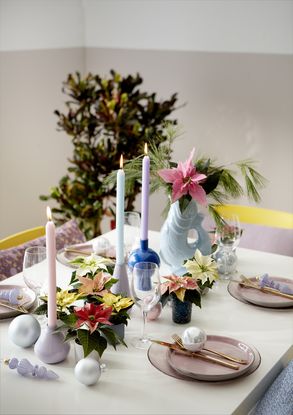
<point x="194" y="339"/>
<point x="87" y="371"/>
<point x="24" y="330"/>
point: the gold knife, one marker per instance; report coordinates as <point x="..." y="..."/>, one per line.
<point x="198" y="355"/>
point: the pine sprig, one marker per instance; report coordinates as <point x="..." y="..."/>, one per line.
<point x="221" y="184"/>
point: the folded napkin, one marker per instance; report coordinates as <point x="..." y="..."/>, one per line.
<point x="278" y="399"/>
<point x="266" y="281"/>
<point x="13" y="296"/>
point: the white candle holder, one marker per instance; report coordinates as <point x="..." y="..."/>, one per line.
<point x="122" y="285"/>
<point x="50" y="347"/>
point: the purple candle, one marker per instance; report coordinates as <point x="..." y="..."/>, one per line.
<point x="51" y="258"/>
<point x="145" y="195"/>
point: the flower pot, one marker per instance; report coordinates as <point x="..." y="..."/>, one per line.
<point x="175" y="247"/>
<point x="119" y="330"/>
<point x="78" y="352"/>
<point x="181" y="310"/>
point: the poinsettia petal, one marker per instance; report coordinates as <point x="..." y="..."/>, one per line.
<point x="180" y="294"/>
<point x="169" y="175"/>
<point x="177" y="190"/>
<point x="198" y="177"/>
<point x="197" y="193"/>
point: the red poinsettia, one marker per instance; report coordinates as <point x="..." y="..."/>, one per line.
<point x="91" y="315"/>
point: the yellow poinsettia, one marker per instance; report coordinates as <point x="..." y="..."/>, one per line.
<point x="64" y="299"/>
<point x="117" y="302"/>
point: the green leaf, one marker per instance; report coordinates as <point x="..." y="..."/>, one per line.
<point x="69" y="319"/>
<point x="73" y="278"/>
<point x="70" y="336"/>
<point x="41" y="309"/>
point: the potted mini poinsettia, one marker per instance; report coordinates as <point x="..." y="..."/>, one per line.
<point x="89" y="313"/>
<point x="188" y="288"/>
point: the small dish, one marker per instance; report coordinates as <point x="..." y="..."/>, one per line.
<point x="29" y="298"/>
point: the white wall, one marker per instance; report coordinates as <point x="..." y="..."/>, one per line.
<point x="41" y="24"/>
<point x="253" y="26"/>
<point x="257" y="26"/>
<point x="207" y="51"/>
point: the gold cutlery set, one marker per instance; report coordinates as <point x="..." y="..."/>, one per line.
<point x="248" y="283"/>
<point x="179" y="347"/>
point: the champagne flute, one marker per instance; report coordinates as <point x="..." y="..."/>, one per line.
<point x="34" y="271"/>
<point x="146" y="290"/>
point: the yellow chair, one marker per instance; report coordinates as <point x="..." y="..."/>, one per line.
<point x="257" y="216"/>
<point x="22" y="237"/>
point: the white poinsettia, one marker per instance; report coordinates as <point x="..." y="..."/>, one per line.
<point x="202" y="267"/>
<point x="91" y="264"/>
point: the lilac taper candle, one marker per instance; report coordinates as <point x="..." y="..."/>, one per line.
<point x="120" y="191"/>
<point x="51" y="258"/>
<point x="145" y="195"/>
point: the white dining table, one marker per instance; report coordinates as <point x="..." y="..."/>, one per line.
<point x="132" y="385"/>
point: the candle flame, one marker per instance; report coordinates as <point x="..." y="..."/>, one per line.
<point x="145" y="148"/>
<point x="121" y="161"/>
<point x="49" y="214"/>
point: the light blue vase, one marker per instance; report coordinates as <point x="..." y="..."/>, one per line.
<point x="174" y="244"/>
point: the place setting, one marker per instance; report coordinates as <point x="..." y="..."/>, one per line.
<point x="264" y="291"/>
<point x="100" y="247"/>
<point x="14" y="300"/>
<point x="198" y="356"/>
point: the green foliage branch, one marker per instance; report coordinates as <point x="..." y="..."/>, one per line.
<point x="104" y="117"/>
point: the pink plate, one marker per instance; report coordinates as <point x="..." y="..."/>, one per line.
<point x="158" y="357"/>
<point x="252" y="296"/>
<point x="204" y="370"/>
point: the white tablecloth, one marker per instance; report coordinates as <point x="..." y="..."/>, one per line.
<point x="131" y="385"/>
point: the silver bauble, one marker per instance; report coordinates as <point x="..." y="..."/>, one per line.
<point x="87" y="371"/>
<point x="24" y="330"/>
<point x="194" y="339"/>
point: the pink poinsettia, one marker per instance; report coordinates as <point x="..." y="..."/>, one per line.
<point x="91" y="315"/>
<point x="185" y="180"/>
<point x="94" y="286"/>
<point x="179" y="285"/>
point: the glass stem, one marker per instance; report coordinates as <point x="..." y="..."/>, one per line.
<point x="143" y="333"/>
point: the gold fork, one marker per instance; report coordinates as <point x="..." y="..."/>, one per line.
<point x="178" y="340"/>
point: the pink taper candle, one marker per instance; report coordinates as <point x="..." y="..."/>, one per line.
<point x="51" y="258"/>
<point x="145" y="195"/>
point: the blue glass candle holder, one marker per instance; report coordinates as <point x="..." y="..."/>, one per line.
<point x="143" y="254"/>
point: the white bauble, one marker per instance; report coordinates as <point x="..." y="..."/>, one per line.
<point x="87" y="371"/>
<point x="194" y="339"/>
<point x="24" y="330"/>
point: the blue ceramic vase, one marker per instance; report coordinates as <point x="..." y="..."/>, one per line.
<point x="181" y="310"/>
<point x="174" y="244"/>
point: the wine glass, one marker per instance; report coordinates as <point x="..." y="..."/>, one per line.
<point x="34" y="272"/>
<point x="228" y="237"/>
<point x="146" y="290"/>
<point x="131" y="231"/>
